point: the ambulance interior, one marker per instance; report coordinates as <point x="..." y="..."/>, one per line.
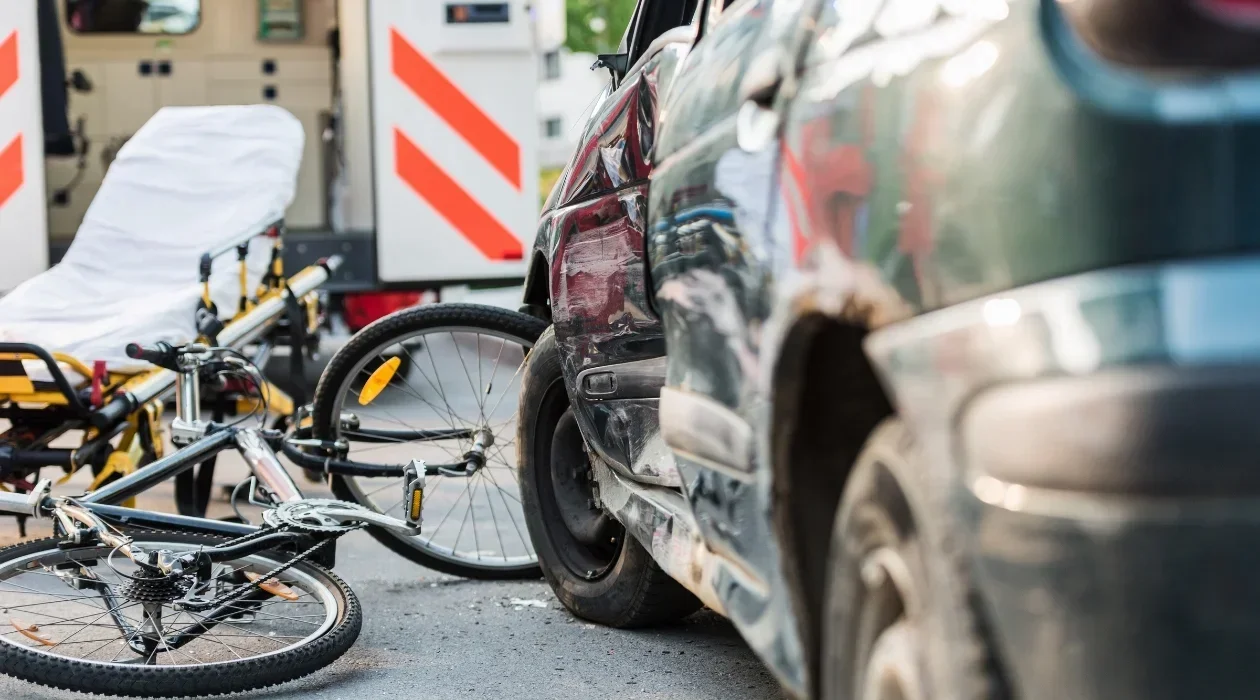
<point x="328" y="63"/>
<point x="126" y="59"/>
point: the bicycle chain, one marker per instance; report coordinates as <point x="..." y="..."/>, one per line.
<point x="244" y="590"/>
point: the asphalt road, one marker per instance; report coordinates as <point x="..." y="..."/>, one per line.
<point x="430" y="635"/>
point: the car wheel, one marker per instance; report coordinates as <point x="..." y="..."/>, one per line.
<point x="596" y="571"/>
<point x="902" y="618"/>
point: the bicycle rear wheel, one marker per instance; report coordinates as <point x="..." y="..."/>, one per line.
<point x="457" y="370"/>
<point x="72" y="619"/>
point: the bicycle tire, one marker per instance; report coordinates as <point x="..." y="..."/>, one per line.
<point x="357" y="351"/>
<point x="220" y="678"/>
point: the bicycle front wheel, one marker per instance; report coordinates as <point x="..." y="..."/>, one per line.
<point x="449" y="369"/>
<point x="79" y="619"/>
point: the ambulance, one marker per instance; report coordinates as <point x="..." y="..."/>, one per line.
<point x="420" y="165"/>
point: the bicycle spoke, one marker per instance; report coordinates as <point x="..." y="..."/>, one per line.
<point x="515" y="525"/>
<point x="448" y="512"/>
<point x="157" y="628"/>
<point x="493" y="519"/>
<point x="72" y="634"/>
<point x="102" y="646"/>
<point x="432" y="397"/>
<point x="373" y="492"/>
<point x="449" y="423"/>
<point x="479" y="379"/>
<point x="65" y="597"/>
<point x="441" y="390"/>
<point x="462" y="522"/>
<point x="505" y="393"/>
<point x="481" y="409"/>
<point x="399" y="421"/>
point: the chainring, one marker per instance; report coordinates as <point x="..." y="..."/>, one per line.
<point x="305" y="516"/>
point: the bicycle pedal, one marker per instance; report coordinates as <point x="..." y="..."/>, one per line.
<point x="413" y="492"/>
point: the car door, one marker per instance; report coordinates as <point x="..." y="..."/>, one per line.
<point x="593" y="241"/>
<point x="711" y="251"/>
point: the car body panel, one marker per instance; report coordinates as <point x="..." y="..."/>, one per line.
<point x="935" y="157"/>
<point x="915" y="152"/>
<point x="1000" y="208"/>
<point x="590" y="246"/>
<point x="712" y="251"/>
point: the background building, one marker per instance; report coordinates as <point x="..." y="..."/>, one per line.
<point x="567" y="89"/>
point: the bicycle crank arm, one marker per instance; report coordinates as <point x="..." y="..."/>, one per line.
<point x="349" y="516"/>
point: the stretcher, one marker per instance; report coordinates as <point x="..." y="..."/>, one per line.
<point x="182" y="242"/>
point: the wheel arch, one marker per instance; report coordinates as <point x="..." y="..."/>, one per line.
<point x="536" y="299"/>
<point x="827" y="401"/>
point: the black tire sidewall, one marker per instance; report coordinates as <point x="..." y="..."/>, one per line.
<point x="891" y="500"/>
<point x="380" y="332"/>
<point x="616" y="598"/>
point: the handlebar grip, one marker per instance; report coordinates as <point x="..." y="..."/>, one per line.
<point x="161" y="354"/>
<point x="156" y="354"/>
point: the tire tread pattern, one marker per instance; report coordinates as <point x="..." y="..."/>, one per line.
<point x="157" y="681"/>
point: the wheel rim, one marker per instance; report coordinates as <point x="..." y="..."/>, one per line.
<point x="586" y="541"/>
<point x="42" y="611"/>
<point x="457" y="378"/>
<point x="892" y="671"/>
<point x="893" y="656"/>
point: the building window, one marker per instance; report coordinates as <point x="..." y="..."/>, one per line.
<point x="551" y="128"/>
<point x="551" y="65"/>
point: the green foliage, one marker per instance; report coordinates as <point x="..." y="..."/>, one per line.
<point x="596" y="26"/>
<point x="547" y="178"/>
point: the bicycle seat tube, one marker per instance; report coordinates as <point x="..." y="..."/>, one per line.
<point x="270" y="473"/>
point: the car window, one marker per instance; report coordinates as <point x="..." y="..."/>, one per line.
<point x="655" y="17"/>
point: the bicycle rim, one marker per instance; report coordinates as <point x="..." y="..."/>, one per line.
<point x="458" y="378"/>
<point x="51" y="604"/>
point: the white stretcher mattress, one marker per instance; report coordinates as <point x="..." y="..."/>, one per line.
<point x="190" y="180"/>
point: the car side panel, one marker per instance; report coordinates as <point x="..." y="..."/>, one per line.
<point x="712" y="252"/>
<point x="914" y="154"/>
<point x="593" y="246"/>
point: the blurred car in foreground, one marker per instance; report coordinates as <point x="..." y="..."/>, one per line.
<point x="919" y="339"/>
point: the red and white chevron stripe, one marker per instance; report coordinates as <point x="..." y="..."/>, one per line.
<point x="455" y="133"/>
<point x="11" y="172"/>
<point x="460" y="209"/>
<point x="23" y="203"/>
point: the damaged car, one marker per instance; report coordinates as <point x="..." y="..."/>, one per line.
<point x="916" y="337"/>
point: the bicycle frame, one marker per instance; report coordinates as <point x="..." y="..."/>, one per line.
<point x="200" y="440"/>
<point x="263" y="462"/>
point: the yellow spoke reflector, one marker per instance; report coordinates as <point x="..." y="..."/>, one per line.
<point x="379" y="379"/>
<point x="272" y="586"/>
<point x="31" y="632"/>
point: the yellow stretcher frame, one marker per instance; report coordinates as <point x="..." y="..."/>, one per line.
<point x="59" y="406"/>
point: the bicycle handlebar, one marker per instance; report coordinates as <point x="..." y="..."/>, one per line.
<point x="162" y="354"/>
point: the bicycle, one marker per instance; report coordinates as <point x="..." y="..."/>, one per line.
<point x="186" y="605"/>
<point x="440" y="382"/>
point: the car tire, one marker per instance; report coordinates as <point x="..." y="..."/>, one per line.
<point x="902" y="617"/>
<point x="624" y="588"/>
